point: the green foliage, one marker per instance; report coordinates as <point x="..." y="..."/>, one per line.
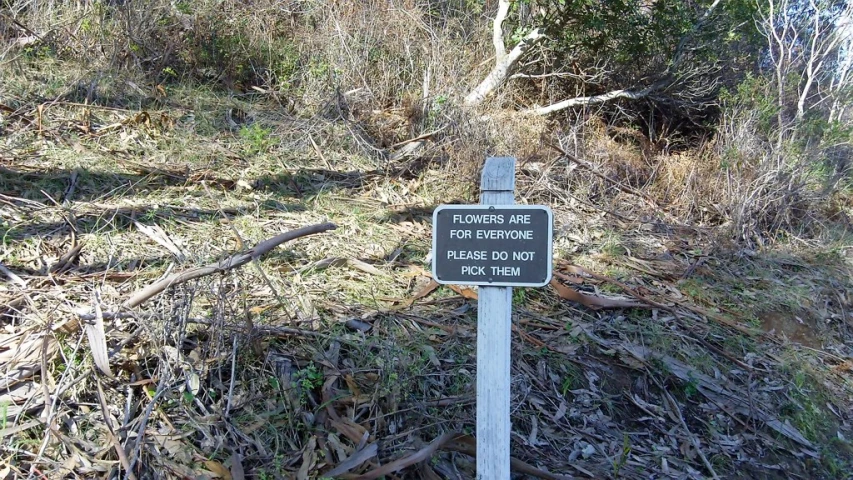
<point x="256" y="138"/>
<point x="572" y="378"/>
<point x="691" y="389"/>
<point x="309" y="378"/>
<point x="184" y="7"/>
<point x="519" y="296"/>
<point x="636" y="35"/>
<point x="805" y="407"/>
<point x="623" y="457"/>
<point x="612" y="245"/>
<point x="753" y="96"/>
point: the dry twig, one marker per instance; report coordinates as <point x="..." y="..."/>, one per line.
<point x="234" y="261"/>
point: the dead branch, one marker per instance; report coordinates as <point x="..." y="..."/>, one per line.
<point x="579" y="101"/>
<point x="454" y="442"/>
<point x="234" y="261"/>
<point x="619" y="185"/>
<point x="502" y="69"/>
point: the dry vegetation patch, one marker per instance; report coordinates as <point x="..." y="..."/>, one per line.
<point x="671" y="343"/>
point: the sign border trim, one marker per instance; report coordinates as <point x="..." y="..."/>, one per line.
<point x="550" y="237"/>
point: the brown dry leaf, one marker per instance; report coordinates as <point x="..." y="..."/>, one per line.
<point x="154" y="232"/>
<point x="416" y="271"/>
<point x="342" y="451"/>
<point x="466" y="292"/>
<point x="421" y="455"/>
<point x="454" y="442"/>
<point x="666" y="269"/>
<point x="354" y="460"/>
<point x="17" y="398"/>
<point x="353" y="387"/>
<point x="218" y="470"/>
<point x="573" y="279"/>
<point x="349" y="429"/>
<point x="428" y="288"/>
<point x="173" y="444"/>
<point x="20" y="356"/>
<point x="468" y="445"/>
<point x="844" y="367"/>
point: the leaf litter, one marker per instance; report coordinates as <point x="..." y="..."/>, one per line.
<point x="329" y="359"/>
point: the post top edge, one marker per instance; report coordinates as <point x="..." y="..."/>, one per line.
<point x="498" y="174"/>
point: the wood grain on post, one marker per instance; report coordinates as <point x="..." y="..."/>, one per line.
<point x="493" y="342"/>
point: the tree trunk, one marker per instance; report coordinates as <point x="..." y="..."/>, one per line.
<point x="502" y="69"/>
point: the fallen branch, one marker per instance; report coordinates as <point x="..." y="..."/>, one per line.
<point x="234" y="261"/>
<point x="459" y="443"/>
<point x="580" y="271"/>
<point x="497" y="30"/>
<point x="583" y="101"/>
<point x="122" y="455"/>
<point x="619" y="185"/>
<point x="468" y="445"/>
<point x="591" y="301"/>
<point x="14" y="278"/>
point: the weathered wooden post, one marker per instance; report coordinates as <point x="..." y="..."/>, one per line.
<point x="494" y="329"/>
<point x="496" y="245"/>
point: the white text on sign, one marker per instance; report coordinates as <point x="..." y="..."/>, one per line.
<point x="499" y="219"/>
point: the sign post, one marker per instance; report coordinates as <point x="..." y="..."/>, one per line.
<point x="496" y="245"/>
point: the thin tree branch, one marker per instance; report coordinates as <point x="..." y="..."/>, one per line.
<point x="232" y="262"/>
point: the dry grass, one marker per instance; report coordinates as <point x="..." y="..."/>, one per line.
<point x="334" y="344"/>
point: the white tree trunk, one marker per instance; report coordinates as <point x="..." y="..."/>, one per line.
<point x="497" y="31"/>
<point x="500" y="73"/>
<point x="506" y="62"/>
<point x="824" y="43"/>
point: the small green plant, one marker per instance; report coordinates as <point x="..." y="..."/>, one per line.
<point x="184" y="7"/>
<point x="256" y="137"/>
<point x="572" y="379"/>
<point x="805" y="406"/>
<point x="519" y="296"/>
<point x="623" y="457"/>
<point x="612" y="245"/>
<point x="691" y="388"/>
<point x="309" y="378"/>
